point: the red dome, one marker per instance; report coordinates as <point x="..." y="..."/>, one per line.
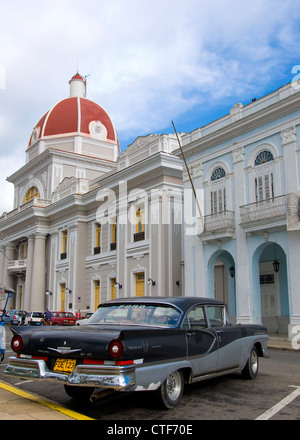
<point x="75" y="116"/>
<point x="78" y="76"/>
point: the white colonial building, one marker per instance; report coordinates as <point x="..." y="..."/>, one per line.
<point x="246" y="250"/>
<point x="90" y="224"/>
<point x="87" y="222"/>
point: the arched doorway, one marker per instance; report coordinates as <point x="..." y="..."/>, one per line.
<point x="273" y="287"/>
<point x="221" y="271"/>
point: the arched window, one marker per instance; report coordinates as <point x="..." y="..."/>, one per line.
<point x="263" y="157"/>
<point x="31" y="194"/>
<point x="218" y="191"/>
<point x="264" y="180"/>
<point x="218" y="173"/>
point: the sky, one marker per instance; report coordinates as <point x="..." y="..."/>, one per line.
<point x="148" y="63"/>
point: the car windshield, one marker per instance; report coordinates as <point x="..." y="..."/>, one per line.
<point x="136" y="314"/>
<point x="66" y="315"/>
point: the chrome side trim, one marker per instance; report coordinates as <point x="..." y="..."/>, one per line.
<point x="215" y="374"/>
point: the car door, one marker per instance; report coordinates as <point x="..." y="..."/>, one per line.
<point x="229" y="338"/>
<point x="202" y="345"/>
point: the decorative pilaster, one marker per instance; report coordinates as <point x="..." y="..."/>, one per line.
<point x="288" y="140"/>
<point x="241" y="269"/>
<point x="29" y="266"/>
<point x="8" y="280"/>
<point x="38" y="285"/>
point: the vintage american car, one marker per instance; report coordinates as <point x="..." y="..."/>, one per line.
<point x="137" y="344"/>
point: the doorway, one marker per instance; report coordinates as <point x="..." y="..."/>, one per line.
<point x="140" y="284"/>
<point x="62" y="297"/>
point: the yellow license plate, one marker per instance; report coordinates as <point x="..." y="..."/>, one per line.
<point x="66" y="365"/>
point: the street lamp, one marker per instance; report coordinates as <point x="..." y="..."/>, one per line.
<point x="150" y="281"/>
<point x="276" y="263"/>
<point x="232" y="271"/>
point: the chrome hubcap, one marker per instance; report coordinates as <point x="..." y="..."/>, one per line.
<point x="173" y="386"/>
<point x="254" y="361"/>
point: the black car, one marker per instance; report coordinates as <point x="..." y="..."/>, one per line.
<point x="138" y="344"/>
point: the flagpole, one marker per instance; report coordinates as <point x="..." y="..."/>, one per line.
<point x="189" y="174"/>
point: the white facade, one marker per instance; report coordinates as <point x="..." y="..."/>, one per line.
<point x="90" y="224"/>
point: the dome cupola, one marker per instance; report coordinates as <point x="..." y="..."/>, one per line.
<point x="77" y="86"/>
<point x="75" y="116"/>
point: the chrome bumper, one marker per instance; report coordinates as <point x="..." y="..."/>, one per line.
<point x="266" y="353"/>
<point x="104" y="376"/>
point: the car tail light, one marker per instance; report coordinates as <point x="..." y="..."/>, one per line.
<point x="92" y="362"/>
<point x="115" y="348"/>
<point x="122" y="363"/>
<point x="42" y="358"/>
<point x="17" y="344"/>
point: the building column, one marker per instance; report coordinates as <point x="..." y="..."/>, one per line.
<point x="29" y="265"/>
<point x="8" y="280"/>
<point x="2" y="263"/>
<point x="288" y="140"/>
<point x="38" y="285"/>
<point x="243" y="300"/>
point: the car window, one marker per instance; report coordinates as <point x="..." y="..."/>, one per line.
<point x="215" y="315"/>
<point x="195" y="319"/>
<point x="136" y="314"/>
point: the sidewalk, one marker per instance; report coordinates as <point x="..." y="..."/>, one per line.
<point x="280" y="342"/>
<point x="16" y="404"/>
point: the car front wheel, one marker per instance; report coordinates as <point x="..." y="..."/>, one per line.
<point x="170" y="392"/>
<point x="251" y="368"/>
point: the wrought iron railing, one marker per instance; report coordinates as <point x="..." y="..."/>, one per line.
<point x="219" y="221"/>
<point x="264" y="209"/>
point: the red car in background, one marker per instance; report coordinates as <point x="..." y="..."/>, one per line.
<point x="62" y="318"/>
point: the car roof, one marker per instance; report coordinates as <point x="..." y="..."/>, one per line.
<point x="182" y="302"/>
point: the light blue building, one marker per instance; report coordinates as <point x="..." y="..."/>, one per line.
<point x="246" y="249"/>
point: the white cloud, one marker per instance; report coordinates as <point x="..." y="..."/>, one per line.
<point x="149" y="61"/>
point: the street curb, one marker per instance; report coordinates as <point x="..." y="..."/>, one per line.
<point x="46" y="402"/>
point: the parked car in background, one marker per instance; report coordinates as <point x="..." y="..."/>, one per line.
<point x="84" y="321"/>
<point x="63" y="318"/>
<point x="34" y="318"/>
<point x="8" y="317"/>
<point x="140" y="344"/>
<point x="15" y="317"/>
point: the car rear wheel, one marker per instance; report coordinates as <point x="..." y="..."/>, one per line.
<point x="79" y="393"/>
<point x="251" y="368"/>
<point x="170" y="392"/>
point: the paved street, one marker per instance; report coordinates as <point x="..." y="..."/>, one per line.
<point x="224" y="398"/>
